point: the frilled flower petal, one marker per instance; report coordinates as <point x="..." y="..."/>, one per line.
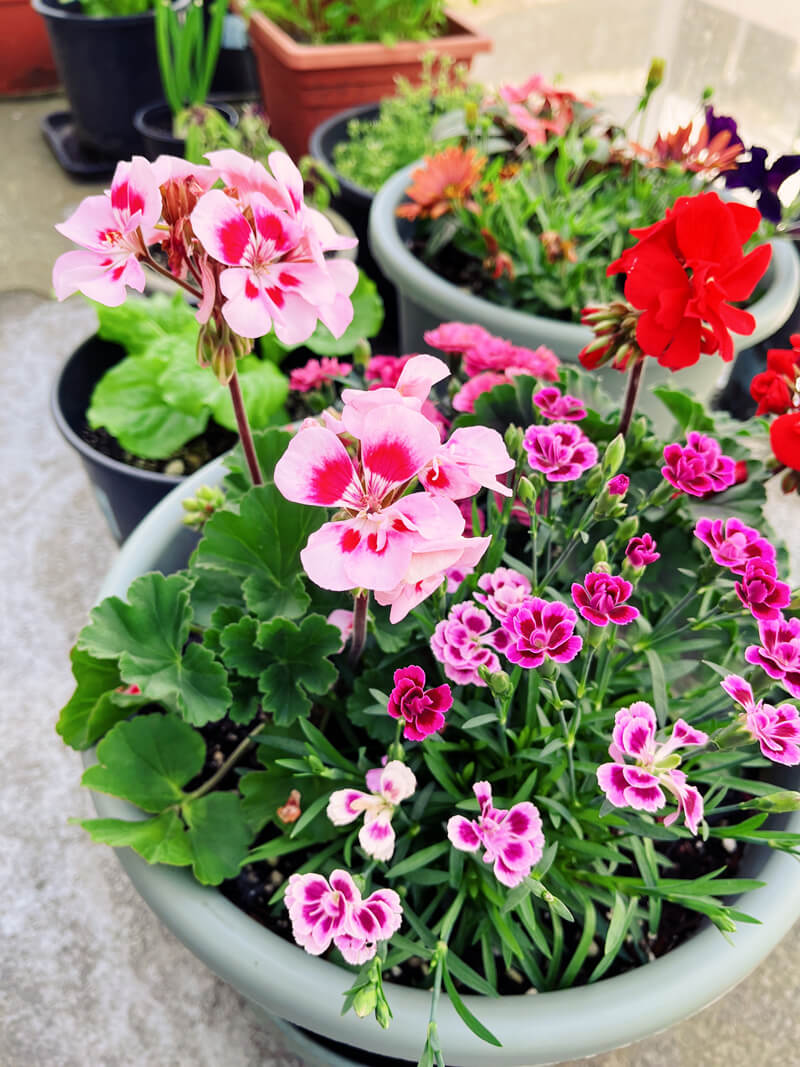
<point x="377" y="835"/>
<point x="397" y="782"/>
<point x="345" y="806"/>
<point x="463" y="834"/>
<point x="740" y="691"/>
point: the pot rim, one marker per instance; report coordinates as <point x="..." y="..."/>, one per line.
<point x="537" y="1029"/>
<point x="144" y="123"/>
<point x="319" y="133"/>
<point x="430" y="290"/>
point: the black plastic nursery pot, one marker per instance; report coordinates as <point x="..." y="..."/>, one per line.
<point x="354" y="202"/>
<point x="153" y="123"/>
<point x="124" y="494"/>
<point x="108" y="68"/>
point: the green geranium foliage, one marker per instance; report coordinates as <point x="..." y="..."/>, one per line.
<point x="288" y="659"/>
<point x="162" y="839"/>
<point x="98" y="702"/>
<point x="147" y="637"/>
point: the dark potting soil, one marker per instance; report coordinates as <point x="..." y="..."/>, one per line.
<point x="194" y="454"/>
<point x="255" y="885"/>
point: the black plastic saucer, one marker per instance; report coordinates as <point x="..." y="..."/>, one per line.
<point x="78" y="160"/>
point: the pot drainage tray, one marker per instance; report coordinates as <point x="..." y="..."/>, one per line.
<point x="75" y="158"/>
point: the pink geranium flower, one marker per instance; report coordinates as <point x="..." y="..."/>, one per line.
<point x="560" y="451"/>
<point x="641" y="785"/>
<point x="502" y="590"/>
<point x="385" y="370"/>
<point x="641" y="551"/>
<point x="601" y="599"/>
<point x="465" y="398"/>
<point x="761" y="591"/>
<point x="537" y="629"/>
<point x="471" y="459"/>
<point x="388" y="787"/>
<point x="421" y="709"/>
<point x="115" y="230"/>
<point x="417" y="378"/>
<point x="457" y="337"/>
<point x="512" y="839"/>
<point x="698" y="467"/>
<point x="325" y="912"/>
<point x="317" y="373"/>
<point x="556" y="405"/>
<point x="733" y="544"/>
<point x="462" y="643"/>
<point x="779" y="651"/>
<point x="777" y="730"/>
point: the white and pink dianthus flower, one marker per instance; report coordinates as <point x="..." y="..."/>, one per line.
<point x="779" y="651"/>
<point x="501" y="590"/>
<point x="512" y="838"/>
<point x="388" y="786"/>
<point x="732" y="544"/>
<point x="464" y="642"/>
<point x="602" y="599"/>
<point x="555" y="405"/>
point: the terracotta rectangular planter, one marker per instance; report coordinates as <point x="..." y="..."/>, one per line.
<point x="302" y="85"/>
<point x="26" y="65"/>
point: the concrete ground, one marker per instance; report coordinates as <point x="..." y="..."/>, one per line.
<point x="88" y="976"/>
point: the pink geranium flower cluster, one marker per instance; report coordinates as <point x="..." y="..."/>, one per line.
<point x="317" y="373"/>
<point x="332" y="912"/>
<point x="777" y="730"/>
<point x="257" y="249"/>
<point x="397" y="543"/>
<point x="512" y="839"/>
<point x="560" y="451"/>
<point x="698" y="467"/>
<point x="641" y="784"/>
<point x="388" y="787"/>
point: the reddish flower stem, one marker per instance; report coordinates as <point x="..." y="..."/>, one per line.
<point x="197" y="293"/>
<point x="245" y="435"/>
<point x="631" y="393"/>
<point x="358" y="640"/>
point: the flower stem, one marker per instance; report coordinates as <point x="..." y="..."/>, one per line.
<point x="245" y="434"/>
<point x="193" y="290"/>
<point x="229" y="763"/>
<point x="631" y="393"/>
<point x="358" y="640"/>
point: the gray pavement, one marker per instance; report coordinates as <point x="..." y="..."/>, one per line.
<point x="88" y="976"/>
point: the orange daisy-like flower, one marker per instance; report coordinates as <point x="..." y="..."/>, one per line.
<point x="707" y="155"/>
<point x="446" y="180"/>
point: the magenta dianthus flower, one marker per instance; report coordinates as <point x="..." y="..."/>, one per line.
<point x="698" y="467"/>
<point x="323" y="912"/>
<point x="641" y="785"/>
<point x="618" y="486"/>
<point x="761" y="591"/>
<point x="777" y="730"/>
<point x="502" y="589"/>
<point x="512" y="838"/>
<point x="779" y="651"/>
<point x="641" y="551"/>
<point x="560" y="451"/>
<point x="601" y="599"/>
<point x="316" y="373"/>
<point x="554" y="404"/>
<point x="385" y="370"/>
<point x="539" y="362"/>
<point x="421" y="709"/>
<point x="462" y="643"/>
<point x="537" y="629"/>
<point x="733" y="544"/>
<point x="465" y="398"/>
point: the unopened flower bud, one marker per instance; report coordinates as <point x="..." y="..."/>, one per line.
<point x="655" y="74"/>
<point x="499" y="683"/>
<point x="202" y="505"/>
<point x="471" y="114"/>
<point x="602" y="566"/>
<point x="383" y="1012"/>
<point x="365" y="1001"/>
<point x="600" y="553"/>
<point x="362" y="353"/>
<point x="613" y="456"/>
<point x="513" y="440"/>
<point x="627" y="529"/>
<point x="526" y="491"/>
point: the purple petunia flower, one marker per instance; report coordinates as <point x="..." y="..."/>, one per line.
<point x="537" y="629"/>
<point x="641" y="785"/>
<point x="512" y="839"/>
<point x="733" y="544"/>
<point x="761" y="591"/>
<point x="779" y="652"/>
<point x="754" y="174"/>
<point x="720" y="124"/>
<point x="554" y="404"/>
<point x="560" y="451"/>
<point x="777" y="730"/>
<point x="641" y="551"/>
<point x="698" y="467"/>
<point x="462" y="643"/>
<point x="601" y="599"/>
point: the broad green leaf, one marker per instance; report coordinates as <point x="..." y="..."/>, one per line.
<point x="187" y="386"/>
<point x="298" y="654"/>
<point x="239" y="649"/>
<point x="367" y="320"/>
<point x="139" y="322"/>
<point x="129" y="403"/>
<point x="264" y="391"/>
<point x="689" y="413"/>
<point x="147" y="636"/>
<point x="147" y="761"/>
<point x="219" y="836"/>
<point x="96" y="705"/>
<point x="261" y="545"/>
<point x="162" y="839"/>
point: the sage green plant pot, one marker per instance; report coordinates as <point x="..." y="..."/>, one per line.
<point x="282" y="980"/>
<point x="425" y="299"/>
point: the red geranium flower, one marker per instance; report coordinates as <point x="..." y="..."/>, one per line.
<point x="784" y="436"/>
<point x="682" y="274"/>
<point x="775" y="387"/>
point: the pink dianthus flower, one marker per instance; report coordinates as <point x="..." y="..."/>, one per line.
<point x="385" y="370"/>
<point x="779" y="651"/>
<point x="316" y="373"/>
<point x="502" y="589"/>
<point x="512" y="838"/>
<point x="457" y="336"/>
<point x="465" y="398"/>
<point x="618" y="486"/>
<point x="601" y="599"/>
<point x="554" y="404"/>
<point x="639" y="785"/>
<point x="641" y="551"/>
<point x="761" y="591"/>
<point x="698" y="467"/>
<point x="733" y="544"/>
<point x="421" y="709"/>
<point x="560" y="451"/>
<point x="537" y="629"/>
<point x="388" y="786"/>
<point x="462" y="643"/>
<point x="777" y="730"/>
